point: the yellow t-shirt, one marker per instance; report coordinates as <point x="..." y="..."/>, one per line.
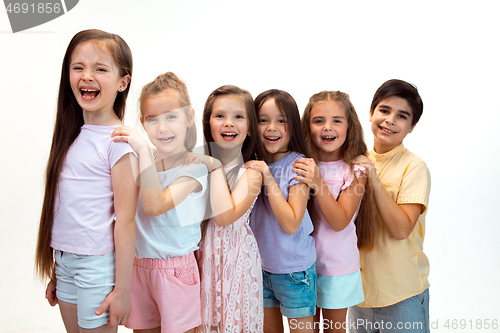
<point x="398" y="269"/>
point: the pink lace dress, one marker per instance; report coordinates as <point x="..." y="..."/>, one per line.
<point x="231" y="278"/>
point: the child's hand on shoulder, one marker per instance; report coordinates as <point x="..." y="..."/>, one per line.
<point x="366" y="163"/>
<point x="210" y="162"/>
<point x="308" y="173"/>
<point x="261" y="167"/>
<point x="132" y="137"/>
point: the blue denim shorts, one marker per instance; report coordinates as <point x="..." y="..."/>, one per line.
<point x="410" y="316"/>
<point x="85" y="281"/>
<point x="294" y="293"/>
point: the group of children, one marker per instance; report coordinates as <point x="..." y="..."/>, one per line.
<point x="280" y="216"/>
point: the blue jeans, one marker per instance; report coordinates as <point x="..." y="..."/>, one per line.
<point x="294" y="293"/>
<point x="409" y="316"/>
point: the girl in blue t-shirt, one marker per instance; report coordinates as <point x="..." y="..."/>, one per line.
<point x="165" y="289"/>
<point x="280" y="220"/>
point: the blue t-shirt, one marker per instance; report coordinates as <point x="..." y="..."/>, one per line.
<point x="176" y="232"/>
<point x="282" y="253"/>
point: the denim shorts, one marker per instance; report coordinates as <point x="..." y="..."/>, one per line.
<point x="85" y="280"/>
<point x="293" y="293"/>
<point x="410" y="316"/>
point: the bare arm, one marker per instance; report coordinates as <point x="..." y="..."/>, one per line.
<point x="400" y="219"/>
<point x="125" y="197"/>
<point x="339" y="213"/>
<point x="288" y="213"/>
<point x="227" y="207"/>
<point x="156" y="201"/>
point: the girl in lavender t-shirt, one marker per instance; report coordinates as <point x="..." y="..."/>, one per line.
<point x="335" y="137"/>
<point x="280" y="220"/>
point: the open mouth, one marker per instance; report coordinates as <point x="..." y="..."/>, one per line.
<point x="385" y="130"/>
<point x="166" y="140"/>
<point x="272" y="139"/>
<point x="228" y="136"/>
<point x="89" y="94"/>
<point x="328" y="139"/>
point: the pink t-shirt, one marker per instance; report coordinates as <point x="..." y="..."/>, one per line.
<point x="84" y="208"/>
<point x="337" y="252"/>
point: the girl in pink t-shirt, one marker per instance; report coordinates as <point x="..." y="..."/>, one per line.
<point x="334" y="135"/>
<point x="86" y="235"/>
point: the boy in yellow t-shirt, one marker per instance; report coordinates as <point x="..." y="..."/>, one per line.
<point x="395" y="272"/>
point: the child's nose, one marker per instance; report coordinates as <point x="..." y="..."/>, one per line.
<point x="228" y="123"/>
<point x="163" y="126"/>
<point x="87" y="76"/>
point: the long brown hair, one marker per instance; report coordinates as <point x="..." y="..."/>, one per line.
<point x="354" y="145"/>
<point x="288" y="107"/>
<point x="163" y="83"/>
<point x="69" y="120"/>
<point x="251" y="148"/>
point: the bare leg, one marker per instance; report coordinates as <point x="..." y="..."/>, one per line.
<point x="336" y="319"/>
<point x="273" y="321"/>
<point x="153" y="330"/>
<point x="102" y="329"/>
<point x="69" y="316"/>
<point x="302" y="325"/>
<point x="317" y="318"/>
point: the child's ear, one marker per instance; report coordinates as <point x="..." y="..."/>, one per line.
<point x="371" y="115"/>
<point x="124" y="83"/>
<point x="411" y="129"/>
<point x="190" y="117"/>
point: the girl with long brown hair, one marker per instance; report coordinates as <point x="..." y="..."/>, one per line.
<point x="86" y="234"/>
<point x="342" y="206"/>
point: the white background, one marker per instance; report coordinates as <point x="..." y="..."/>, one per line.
<point x="449" y="49"/>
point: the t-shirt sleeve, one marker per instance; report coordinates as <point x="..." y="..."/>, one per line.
<point x="289" y="168"/>
<point x="415" y="185"/>
<point x="117" y="150"/>
<point x="197" y="171"/>
<point x="349" y="177"/>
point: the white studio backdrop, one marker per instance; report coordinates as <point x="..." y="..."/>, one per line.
<point x="449" y="49"/>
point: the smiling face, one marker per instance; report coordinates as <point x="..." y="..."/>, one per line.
<point x="391" y="122"/>
<point x="166" y="123"/>
<point x="229" y="121"/>
<point x="273" y="130"/>
<point x="95" y="80"/>
<point x="328" y="125"/>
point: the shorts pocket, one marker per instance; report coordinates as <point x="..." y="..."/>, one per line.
<point x="187" y="275"/>
<point x="299" y="278"/>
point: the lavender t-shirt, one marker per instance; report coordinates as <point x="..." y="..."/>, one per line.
<point x="84" y="208"/>
<point x="282" y="253"/>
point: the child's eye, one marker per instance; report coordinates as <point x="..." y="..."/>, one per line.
<point x="402" y="116"/>
<point x="77" y="68"/>
<point x="337" y="121"/>
<point x="102" y="70"/>
<point x="317" y="121"/>
<point x="262" y="120"/>
<point x="383" y="111"/>
<point x="150" y="121"/>
<point x="239" y="116"/>
<point x="281" y="121"/>
<point x="172" y="116"/>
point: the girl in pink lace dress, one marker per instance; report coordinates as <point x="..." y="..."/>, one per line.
<point x="230" y="263"/>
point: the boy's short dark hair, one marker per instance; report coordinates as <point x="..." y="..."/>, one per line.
<point x="404" y="90"/>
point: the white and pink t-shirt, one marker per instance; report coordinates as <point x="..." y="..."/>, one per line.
<point x="84" y="209"/>
<point x="337" y="252"/>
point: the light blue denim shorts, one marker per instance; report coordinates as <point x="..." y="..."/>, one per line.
<point x="294" y="293"/>
<point x="85" y="281"/>
<point x="410" y="316"/>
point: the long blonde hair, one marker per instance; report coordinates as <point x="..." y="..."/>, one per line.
<point x="368" y="219"/>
